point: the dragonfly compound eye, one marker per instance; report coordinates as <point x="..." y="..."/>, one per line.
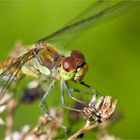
<point x="78" y="56"/>
<point x="69" y="64"/>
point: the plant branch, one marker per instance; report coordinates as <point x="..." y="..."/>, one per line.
<point x="87" y="127"/>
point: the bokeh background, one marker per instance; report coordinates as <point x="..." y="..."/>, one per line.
<point x="112" y="50"/>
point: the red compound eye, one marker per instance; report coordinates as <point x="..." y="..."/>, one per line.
<point x="78" y="56"/>
<point x="69" y="64"/>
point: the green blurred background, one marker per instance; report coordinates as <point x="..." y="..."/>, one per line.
<point x="112" y="50"/>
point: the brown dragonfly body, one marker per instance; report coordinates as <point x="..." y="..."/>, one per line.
<point x="44" y="61"/>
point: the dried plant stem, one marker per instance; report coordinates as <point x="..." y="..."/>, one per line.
<point x="87" y="127"/>
<point x="11" y="107"/>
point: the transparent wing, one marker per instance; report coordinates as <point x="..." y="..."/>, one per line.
<point x="12" y="71"/>
<point x="97" y="13"/>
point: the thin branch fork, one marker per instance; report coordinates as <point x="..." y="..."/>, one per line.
<point x="87" y="127"/>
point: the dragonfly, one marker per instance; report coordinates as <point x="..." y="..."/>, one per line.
<point x="45" y="60"/>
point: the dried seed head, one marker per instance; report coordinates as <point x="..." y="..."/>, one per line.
<point x="89" y="113"/>
<point x="49" y="124"/>
<point x="100" y="109"/>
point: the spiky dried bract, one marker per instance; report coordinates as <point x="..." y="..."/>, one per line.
<point x="100" y="109"/>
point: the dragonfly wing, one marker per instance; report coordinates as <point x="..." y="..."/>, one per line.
<point x="97" y="13"/>
<point x="12" y="71"/>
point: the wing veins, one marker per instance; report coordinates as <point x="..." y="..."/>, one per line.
<point x="10" y="70"/>
<point x="84" y="21"/>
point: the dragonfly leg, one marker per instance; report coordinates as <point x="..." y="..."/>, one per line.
<point x="80" y="91"/>
<point x="47" y="115"/>
<point x="42" y="102"/>
<point x="45" y="110"/>
<point x="70" y="95"/>
<point x="93" y="90"/>
<point x="46" y="94"/>
<point x="94" y="96"/>
<point x="63" y="100"/>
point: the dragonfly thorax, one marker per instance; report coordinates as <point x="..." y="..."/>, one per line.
<point x="73" y="67"/>
<point x="49" y="63"/>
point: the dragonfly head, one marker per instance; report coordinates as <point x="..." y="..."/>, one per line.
<point x="74" y="66"/>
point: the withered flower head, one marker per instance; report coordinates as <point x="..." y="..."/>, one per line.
<point x="48" y="126"/>
<point x="100" y="109"/>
